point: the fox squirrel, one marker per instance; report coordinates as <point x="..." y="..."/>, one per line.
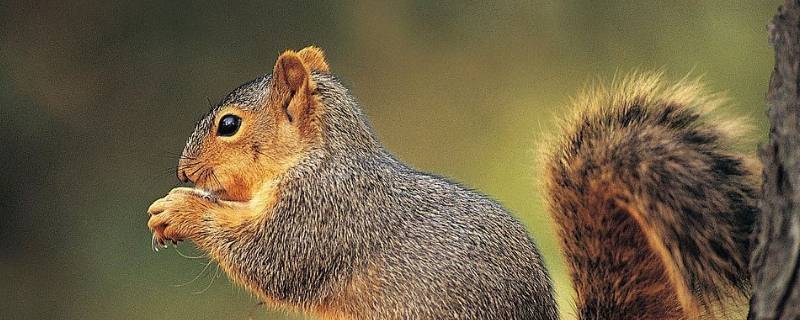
<point x="296" y="199"/>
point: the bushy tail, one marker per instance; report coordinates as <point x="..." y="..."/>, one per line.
<point x="654" y="210"/>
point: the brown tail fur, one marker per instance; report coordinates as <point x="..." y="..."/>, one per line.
<point x="654" y="210"/>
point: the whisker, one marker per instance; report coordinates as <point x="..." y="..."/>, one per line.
<point x="197" y="170"/>
<point x="181" y="156"/>
<point x="195" y="277"/>
<point x="201" y="256"/>
<point x="203" y="176"/>
<point x="188" y="165"/>
<point x="216" y="180"/>
<point x="214" y="277"/>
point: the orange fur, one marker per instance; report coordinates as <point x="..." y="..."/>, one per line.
<point x="314" y="58"/>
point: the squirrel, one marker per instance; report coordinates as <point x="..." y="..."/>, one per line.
<point x="298" y="202"/>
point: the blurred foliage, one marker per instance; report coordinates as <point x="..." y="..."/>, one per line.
<point x="98" y="97"/>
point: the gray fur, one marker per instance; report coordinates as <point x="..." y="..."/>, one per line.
<point x="430" y="248"/>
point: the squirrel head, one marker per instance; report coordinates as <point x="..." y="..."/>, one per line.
<point x="259" y="130"/>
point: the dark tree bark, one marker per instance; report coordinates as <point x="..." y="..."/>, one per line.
<point x="775" y="265"/>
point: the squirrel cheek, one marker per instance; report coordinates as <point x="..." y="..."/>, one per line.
<point x="238" y="196"/>
<point x="238" y="191"/>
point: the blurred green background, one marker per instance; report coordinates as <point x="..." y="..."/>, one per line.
<point x="98" y="97"/>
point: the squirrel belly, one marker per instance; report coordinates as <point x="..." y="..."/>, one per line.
<point x="654" y="209"/>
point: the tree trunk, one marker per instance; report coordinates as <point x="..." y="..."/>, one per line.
<point x="775" y="264"/>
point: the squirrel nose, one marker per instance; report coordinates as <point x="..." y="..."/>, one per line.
<point x="183" y="165"/>
<point x="182" y="176"/>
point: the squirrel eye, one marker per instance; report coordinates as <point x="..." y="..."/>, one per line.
<point x="228" y="125"/>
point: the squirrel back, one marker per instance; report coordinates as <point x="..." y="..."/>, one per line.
<point x="654" y="210"/>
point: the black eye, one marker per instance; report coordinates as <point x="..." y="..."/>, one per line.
<point x="228" y="125"/>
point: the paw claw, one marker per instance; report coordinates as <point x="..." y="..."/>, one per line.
<point x="154" y="243"/>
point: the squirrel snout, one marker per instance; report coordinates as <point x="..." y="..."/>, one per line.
<point x="184" y="165"/>
<point x="182" y="175"/>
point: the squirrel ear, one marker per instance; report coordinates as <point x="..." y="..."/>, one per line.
<point x="293" y="87"/>
<point x="314" y="59"/>
<point x="290" y="73"/>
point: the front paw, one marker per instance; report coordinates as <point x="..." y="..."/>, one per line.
<point x="178" y="215"/>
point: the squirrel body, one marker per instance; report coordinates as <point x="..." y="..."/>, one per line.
<point x="298" y="201"/>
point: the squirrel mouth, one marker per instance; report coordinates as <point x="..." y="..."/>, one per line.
<point x="211" y="191"/>
<point x="215" y="194"/>
<point x="221" y="194"/>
